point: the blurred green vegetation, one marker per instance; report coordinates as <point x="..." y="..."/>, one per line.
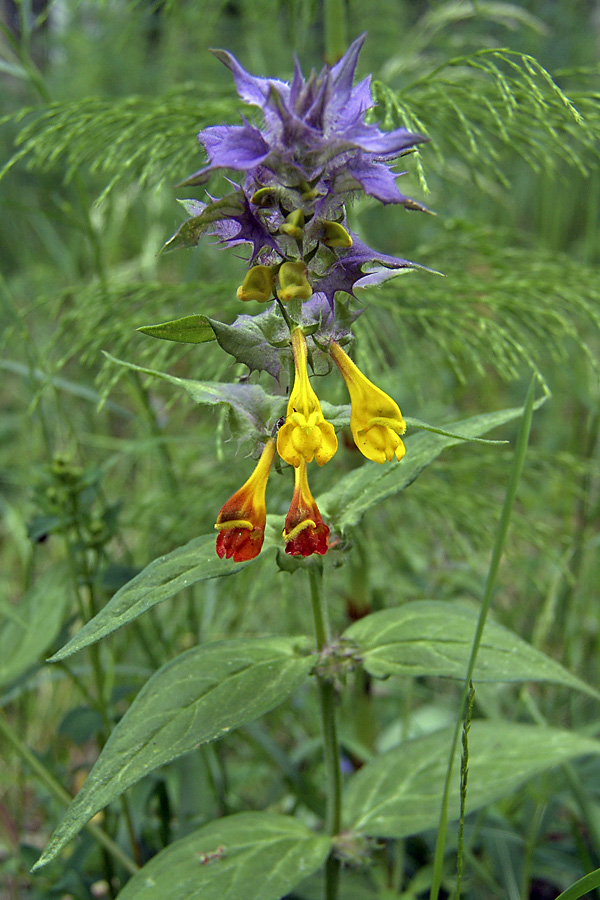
<point x="101" y="102"/>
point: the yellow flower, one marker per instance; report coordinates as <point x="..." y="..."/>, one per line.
<point x="376" y="421"/>
<point x="305" y="435"/>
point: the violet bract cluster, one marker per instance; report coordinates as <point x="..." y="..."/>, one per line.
<point x="311" y="154"/>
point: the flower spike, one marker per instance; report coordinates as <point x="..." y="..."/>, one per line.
<point x="376" y="421"/>
<point x="304" y="532"/>
<point x="305" y="435"/>
<point x="241" y="522"/>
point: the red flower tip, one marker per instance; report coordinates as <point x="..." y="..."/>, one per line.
<point x="312" y="539"/>
<point x="240" y="543"/>
<point x="305" y="532"/>
<point x="241" y="522"/>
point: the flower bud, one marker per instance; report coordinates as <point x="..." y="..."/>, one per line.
<point x="264" y="196"/>
<point x="293" y="284"/>
<point x="258" y="285"/>
<point x="335" y="235"/>
<point x="293" y="225"/>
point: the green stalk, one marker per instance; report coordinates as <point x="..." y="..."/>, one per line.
<point x="60" y="794"/>
<point x="501" y="534"/>
<point x="284" y="314"/>
<point x="336" y="32"/>
<point x="162" y="450"/>
<point x="333" y="816"/>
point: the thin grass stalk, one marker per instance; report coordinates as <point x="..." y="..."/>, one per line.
<point x="498" y="549"/>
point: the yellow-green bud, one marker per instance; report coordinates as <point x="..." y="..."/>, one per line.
<point x="293" y="284"/>
<point x="258" y="285"/>
<point x="263" y="196"/>
<point x="308" y="193"/>
<point x="335" y="235"/>
<point x="293" y="225"/>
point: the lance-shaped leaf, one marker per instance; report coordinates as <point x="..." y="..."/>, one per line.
<point x="196" y="698"/>
<point x="399" y="793"/>
<point x="30" y="628"/>
<point x="252" y="406"/>
<point x="428" y="637"/>
<point x="188" y="234"/>
<point x="189" y="330"/>
<point x="365" y="487"/>
<point x="248" y="856"/>
<point x="162" y="578"/>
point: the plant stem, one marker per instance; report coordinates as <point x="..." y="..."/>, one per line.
<point x="63" y="796"/>
<point x="283" y="312"/>
<point x="330" y="740"/>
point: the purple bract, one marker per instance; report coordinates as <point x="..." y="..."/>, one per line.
<point x="312" y="154"/>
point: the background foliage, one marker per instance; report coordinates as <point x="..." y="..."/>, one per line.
<point x="102" y="468"/>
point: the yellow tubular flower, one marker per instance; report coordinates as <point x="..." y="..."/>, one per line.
<point x="305" y="435"/>
<point x="376" y="421"/>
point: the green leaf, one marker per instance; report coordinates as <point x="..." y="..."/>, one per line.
<point x="248" y="856"/>
<point x="399" y="793"/>
<point x="256" y="410"/>
<point x="255" y="340"/>
<point x="189" y="330"/>
<point x="29" y="629"/>
<point x="582" y="887"/>
<point x="423" y="426"/>
<point x="365" y="487"/>
<point x="161" y="579"/>
<point x="188" y="234"/>
<point x="428" y="637"/>
<point x="81" y="724"/>
<point x="196" y="698"/>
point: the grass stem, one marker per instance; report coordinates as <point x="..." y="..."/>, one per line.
<point x="498" y="549"/>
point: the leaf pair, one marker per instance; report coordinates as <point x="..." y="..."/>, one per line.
<point x="211" y="689"/>
<point x="263" y="855"/>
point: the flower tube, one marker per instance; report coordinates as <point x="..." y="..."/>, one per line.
<point x="241" y="522"/>
<point x="305" y="435"/>
<point x="376" y="421"/>
<point x="304" y="532"/>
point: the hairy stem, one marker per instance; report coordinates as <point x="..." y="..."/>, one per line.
<point x="330" y="740"/>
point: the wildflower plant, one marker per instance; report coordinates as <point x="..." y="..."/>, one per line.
<point x="313" y="154"/>
<point x="293" y="170"/>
